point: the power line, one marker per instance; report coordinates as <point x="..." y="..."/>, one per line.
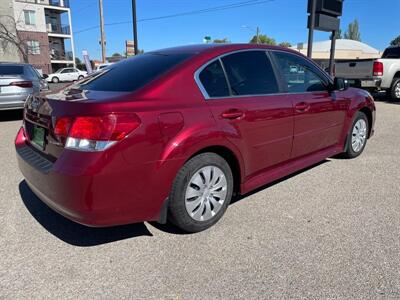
<point x="194" y="12"/>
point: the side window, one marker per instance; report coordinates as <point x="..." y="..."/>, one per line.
<point x="66" y="71"/>
<point x="213" y="80"/>
<point x="250" y="73"/>
<point x="299" y="74"/>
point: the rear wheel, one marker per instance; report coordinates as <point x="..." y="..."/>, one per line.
<point x="395" y="89"/>
<point x="201" y="193"/>
<point x="55" y="80"/>
<point x="357" y="137"/>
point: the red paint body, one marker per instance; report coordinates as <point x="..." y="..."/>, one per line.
<point x="129" y="182"/>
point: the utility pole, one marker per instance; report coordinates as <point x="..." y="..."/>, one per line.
<point x="102" y="35"/>
<point x="134" y="21"/>
<point x="311" y="29"/>
<point x="258" y="35"/>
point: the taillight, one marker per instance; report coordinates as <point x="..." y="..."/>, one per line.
<point x="62" y="126"/>
<point x="22" y="84"/>
<point x="95" y="133"/>
<point x="378" y="68"/>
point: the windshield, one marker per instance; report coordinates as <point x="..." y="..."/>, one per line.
<point x="133" y="73"/>
<point x="58" y="71"/>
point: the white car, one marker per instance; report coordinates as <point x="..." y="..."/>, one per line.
<point x="66" y="74"/>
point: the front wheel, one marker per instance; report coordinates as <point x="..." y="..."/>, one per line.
<point x="80" y="77"/>
<point x="201" y="192"/>
<point x="357" y="137"/>
<point x="55" y="80"/>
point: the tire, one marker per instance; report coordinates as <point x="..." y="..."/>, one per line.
<point x="357" y="136"/>
<point x="196" y="203"/>
<point x="80" y="77"/>
<point x="395" y="89"/>
<point x="55" y="80"/>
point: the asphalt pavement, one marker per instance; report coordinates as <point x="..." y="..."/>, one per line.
<point x="329" y="232"/>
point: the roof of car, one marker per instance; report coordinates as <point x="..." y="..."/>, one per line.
<point x="15" y="64"/>
<point x="200" y="48"/>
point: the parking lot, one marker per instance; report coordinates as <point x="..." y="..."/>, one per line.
<point x="331" y="231"/>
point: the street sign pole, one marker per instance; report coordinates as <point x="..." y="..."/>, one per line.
<point x="134" y="21"/>
<point x="332" y="56"/>
<point x="311" y="29"/>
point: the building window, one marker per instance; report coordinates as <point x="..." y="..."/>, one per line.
<point x="33" y="47"/>
<point x="30" y="17"/>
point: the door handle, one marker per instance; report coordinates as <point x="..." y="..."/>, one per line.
<point x="302" y="107"/>
<point x="232" y="114"/>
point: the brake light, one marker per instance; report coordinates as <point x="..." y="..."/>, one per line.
<point x="62" y="127"/>
<point x="22" y="84"/>
<point x="95" y="133"/>
<point x="378" y="68"/>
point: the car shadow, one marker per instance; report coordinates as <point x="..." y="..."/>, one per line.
<point x="241" y="197"/>
<point x="74" y="233"/>
<point x="11" y="115"/>
<point x="386" y="99"/>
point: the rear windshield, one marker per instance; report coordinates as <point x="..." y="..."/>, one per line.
<point x="133" y="73"/>
<point x="11" y="70"/>
<point x="391" y="53"/>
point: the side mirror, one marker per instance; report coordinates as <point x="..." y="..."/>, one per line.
<point x="44" y="76"/>
<point x="340" y="84"/>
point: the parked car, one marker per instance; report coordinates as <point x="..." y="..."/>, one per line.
<point x="66" y="74"/>
<point x="375" y="74"/>
<point x="17" y="83"/>
<point x="197" y="126"/>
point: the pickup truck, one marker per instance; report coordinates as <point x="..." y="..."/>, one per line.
<point x="375" y="75"/>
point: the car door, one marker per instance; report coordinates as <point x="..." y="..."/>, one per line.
<point x="65" y="75"/>
<point x="318" y="114"/>
<point x="242" y="92"/>
<point x="74" y="74"/>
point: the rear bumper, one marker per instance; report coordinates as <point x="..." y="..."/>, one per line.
<point x="13" y="101"/>
<point x="91" y="191"/>
<point x="371" y="83"/>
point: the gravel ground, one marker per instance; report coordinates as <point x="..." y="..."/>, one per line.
<point x="331" y="231"/>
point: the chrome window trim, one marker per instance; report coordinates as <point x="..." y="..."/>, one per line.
<point x="205" y="65"/>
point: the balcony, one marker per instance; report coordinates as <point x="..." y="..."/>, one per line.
<point x="60" y="55"/>
<point x="58" y="3"/>
<point x="58" y="29"/>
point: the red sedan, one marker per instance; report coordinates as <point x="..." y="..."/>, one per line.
<point x="174" y="134"/>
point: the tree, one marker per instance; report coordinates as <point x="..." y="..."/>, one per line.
<point x="77" y="61"/>
<point x="221" y="41"/>
<point x="116" y="54"/>
<point x="395" y="42"/>
<point x="263" y="39"/>
<point x="353" y="31"/>
<point x="10" y="37"/>
<point x="338" y="35"/>
<point x="285" y="44"/>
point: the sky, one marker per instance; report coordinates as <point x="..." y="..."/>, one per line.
<point x="284" y="20"/>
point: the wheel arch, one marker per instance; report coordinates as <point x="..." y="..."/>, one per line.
<point x="367" y="111"/>
<point x="230" y="158"/>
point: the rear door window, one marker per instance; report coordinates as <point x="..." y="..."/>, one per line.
<point x="250" y="73"/>
<point x="213" y="80"/>
<point x="133" y="73"/>
<point x="392" y="53"/>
